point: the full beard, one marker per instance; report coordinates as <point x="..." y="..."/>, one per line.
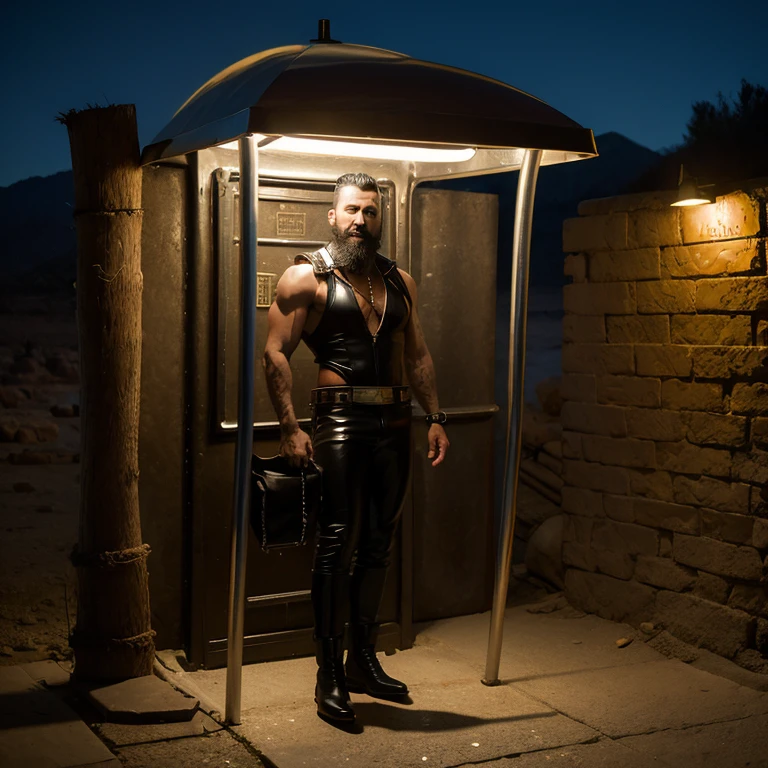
<point x="350" y="254"/>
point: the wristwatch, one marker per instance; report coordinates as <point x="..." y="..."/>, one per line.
<point x="439" y="417"/>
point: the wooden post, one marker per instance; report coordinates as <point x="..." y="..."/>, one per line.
<point x="112" y="639"/>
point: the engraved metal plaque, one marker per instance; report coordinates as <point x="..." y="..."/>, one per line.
<point x="290" y="224"/>
<point x="266" y="287"/>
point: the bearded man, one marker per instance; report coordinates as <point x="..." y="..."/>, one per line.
<point x="357" y="312"/>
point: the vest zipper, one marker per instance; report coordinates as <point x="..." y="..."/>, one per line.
<point x="374" y="337"/>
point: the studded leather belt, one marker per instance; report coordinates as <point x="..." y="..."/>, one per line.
<point x="361" y="395"/>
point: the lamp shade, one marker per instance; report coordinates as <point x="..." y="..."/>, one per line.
<point x="689" y="193"/>
<point x="357" y="92"/>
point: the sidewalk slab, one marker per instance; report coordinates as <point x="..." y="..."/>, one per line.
<point x="291" y="682"/>
<point x="145" y="699"/>
<point x="448" y="724"/>
<point x="217" y="750"/>
<point x="604" y="753"/>
<point x="568" y="697"/>
<point x="735" y="744"/>
<point x="48" y="672"/>
<point x="39" y="730"/>
<point x="266" y="684"/>
<point x="641" y="698"/>
<point x="124" y="735"/>
<point x="536" y="644"/>
<point x="450" y="712"/>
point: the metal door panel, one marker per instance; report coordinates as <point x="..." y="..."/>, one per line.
<point x="165" y="526"/>
<point x="454" y="246"/>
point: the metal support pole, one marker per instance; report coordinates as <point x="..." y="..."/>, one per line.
<point x="249" y="195"/>
<point x="521" y="249"/>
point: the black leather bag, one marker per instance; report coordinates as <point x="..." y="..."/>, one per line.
<point x="285" y="501"/>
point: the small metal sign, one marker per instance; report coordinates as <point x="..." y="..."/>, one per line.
<point x="291" y="224"/>
<point x="266" y="287"/>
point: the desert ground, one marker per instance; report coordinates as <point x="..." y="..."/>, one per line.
<point x="39" y="476"/>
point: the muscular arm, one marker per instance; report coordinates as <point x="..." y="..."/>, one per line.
<point x="418" y="361"/>
<point x="287" y="316"/>
<point x="421" y="375"/>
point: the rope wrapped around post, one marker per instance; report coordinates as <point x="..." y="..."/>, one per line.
<point x="109" y="559"/>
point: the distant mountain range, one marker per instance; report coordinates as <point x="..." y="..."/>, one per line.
<point x="37" y="233"/>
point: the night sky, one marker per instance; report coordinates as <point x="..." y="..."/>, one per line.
<point x="611" y="66"/>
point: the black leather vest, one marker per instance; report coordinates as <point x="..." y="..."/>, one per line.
<point x="342" y="342"/>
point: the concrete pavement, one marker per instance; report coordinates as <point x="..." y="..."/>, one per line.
<point x="38" y="730"/>
<point x="570" y="697"/>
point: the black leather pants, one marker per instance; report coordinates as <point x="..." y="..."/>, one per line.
<point x="364" y="451"/>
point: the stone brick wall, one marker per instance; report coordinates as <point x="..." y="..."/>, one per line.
<point x="665" y="417"/>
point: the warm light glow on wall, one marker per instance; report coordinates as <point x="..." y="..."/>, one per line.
<point x="733" y="216"/>
<point x="363" y="150"/>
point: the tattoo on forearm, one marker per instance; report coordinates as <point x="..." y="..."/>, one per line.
<point x="279" y="385"/>
<point x="420" y="368"/>
<point x="421" y="377"/>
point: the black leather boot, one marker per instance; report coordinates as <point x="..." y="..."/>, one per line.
<point x="363" y="670"/>
<point x="331" y="693"/>
<point x="330" y="593"/>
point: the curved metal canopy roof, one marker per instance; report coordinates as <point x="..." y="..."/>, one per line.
<point x="337" y="90"/>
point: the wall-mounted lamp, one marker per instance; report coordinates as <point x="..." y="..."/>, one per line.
<point x="689" y="192"/>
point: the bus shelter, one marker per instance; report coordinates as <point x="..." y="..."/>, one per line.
<point x="257" y="149"/>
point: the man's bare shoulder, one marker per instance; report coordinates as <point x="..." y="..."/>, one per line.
<point x="297" y="286"/>
<point x="410" y="283"/>
<point x="299" y="277"/>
